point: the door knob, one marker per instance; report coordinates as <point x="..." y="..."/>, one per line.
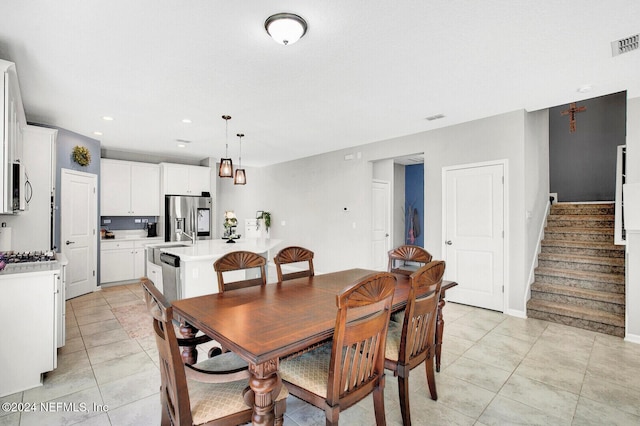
<point x="448" y="242"/>
<point x="70" y="242"/>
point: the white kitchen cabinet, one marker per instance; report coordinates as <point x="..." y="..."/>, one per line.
<point x="27" y="308"/>
<point x="123" y="260"/>
<point x="181" y="179"/>
<point x="129" y="188"/>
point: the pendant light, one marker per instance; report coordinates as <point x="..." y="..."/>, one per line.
<point x="226" y="165"/>
<point x="241" y="177"/>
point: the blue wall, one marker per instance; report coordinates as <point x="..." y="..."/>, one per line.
<point x="414" y="205"/>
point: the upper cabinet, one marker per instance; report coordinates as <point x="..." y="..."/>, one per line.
<point x="12" y="125"/>
<point x="129" y="188"/>
<point x="180" y="179"/>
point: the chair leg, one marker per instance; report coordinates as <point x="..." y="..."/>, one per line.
<point x="403" y="393"/>
<point x="431" y="378"/>
<point x="279" y="409"/>
<point x="378" y="405"/>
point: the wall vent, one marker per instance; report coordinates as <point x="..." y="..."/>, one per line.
<point x="435" y="117"/>
<point x="625" y="45"/>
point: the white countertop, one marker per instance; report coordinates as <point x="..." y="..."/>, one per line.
<point x="213" y="249"/>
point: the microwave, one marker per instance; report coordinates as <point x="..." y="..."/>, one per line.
<point x="20" y="188"/>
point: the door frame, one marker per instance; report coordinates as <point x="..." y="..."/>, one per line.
<point x="505" y="212"/>
<point x="390" y="218"/>
<point x="63" y="172"/>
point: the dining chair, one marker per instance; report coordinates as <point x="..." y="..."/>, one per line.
<point x="413" y="341"/>
<point x="212" y="392"/>
<point x="401" y="255"/>
<point x="237" y="261"/>
<point x="337" y="375"/>
<point x="294" y="254"/>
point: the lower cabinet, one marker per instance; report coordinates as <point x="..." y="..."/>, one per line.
<point x="122" y="260"/>
<point x="28" y="349"/>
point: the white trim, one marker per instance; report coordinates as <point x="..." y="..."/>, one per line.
<point x="617" y="234"/>
<point x="389" y="216"/>
<point x="505" y="212"/>
<point x="534" y="263"/>
<point x="632" y="338"/>
<point x="516" y="313"/>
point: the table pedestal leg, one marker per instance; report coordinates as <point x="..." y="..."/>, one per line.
<point x="264" y="381"/>
<point x="439" y="333"/>
<point x="189" y="353"/>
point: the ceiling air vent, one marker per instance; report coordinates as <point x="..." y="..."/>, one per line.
<point x="625" y="45"/>
<point x="435" y="117"/>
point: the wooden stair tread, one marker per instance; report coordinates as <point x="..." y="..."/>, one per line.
<point x="580" y="312"/>
<point x="577" y="230"/>
<point x="582" y="244"/>
<point x="596" y="260"/>
<point x="582" y="275"/>
<point x="583" y="293"/>
<point x="598" y="217"/>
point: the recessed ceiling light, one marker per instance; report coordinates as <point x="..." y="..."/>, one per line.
<point x="435" y="117"/>
<point x="107" y="118"/>
<point x="181" y="145"/>
<point x="584" y="89"/>
<point x="186" y="120"/>
<point x="97" y="133"/>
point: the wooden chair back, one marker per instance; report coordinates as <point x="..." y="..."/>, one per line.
<point x="174" y="394"/>
<point x="357" y="355"/>
<point x="236" y="261"/>
<point x="419" y="326"/>
<point x="404" y="254"/>
<point x="294" y="254"/>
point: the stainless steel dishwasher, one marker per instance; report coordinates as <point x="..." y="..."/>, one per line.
<point x="171" y="283"/>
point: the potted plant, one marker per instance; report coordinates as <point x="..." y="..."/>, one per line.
<point x="263" y="223"/>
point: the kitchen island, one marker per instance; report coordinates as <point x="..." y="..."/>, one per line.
<point x="195" y="275"/>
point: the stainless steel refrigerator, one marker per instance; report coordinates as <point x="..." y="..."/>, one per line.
<point x="187" y="217"/>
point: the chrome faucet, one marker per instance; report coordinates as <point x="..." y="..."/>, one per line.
<point x="191" y="236"/>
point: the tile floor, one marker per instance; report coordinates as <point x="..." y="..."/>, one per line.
<point x="496" y="370"/>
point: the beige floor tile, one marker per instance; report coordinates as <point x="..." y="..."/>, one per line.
<point x="9" y="419"/>
<point x="549" y="399"/>
<point x="59" y="383"/>
<point x="100" y="339"/>
<point x="614" y="395"/>
<point x="92" y="310"/>
<point x="478" y="373"/>
<point x="73" y="408"/>
<point x="462" y="396"/>
<point x="591" y="412"/>
<point x="72" y="332"/>
<point x="499" y="358"/>
<point x="103" y="315"/>
<point x="505" y="411"/>
<point x="131" y="388"/>
<point x="483" y="319"/>
<point x="118" y="368"/>
<point x="143" y="412"/>
<point x="77" y="360"/>
<point x="99" y="420"/>
<point x="463" y="331"/>
<point x="562" y="377"/>
<point x="108" y="352"/>
<point x="455" y="344"/>
<point x="507" y="343"/>
<point x="99" y="327"/>
<point x="520" y="327"/>
<point x="72" y="345"/>
<point x="94" y="302"/>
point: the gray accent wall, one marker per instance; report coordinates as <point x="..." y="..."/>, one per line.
<point x="582" y="164"/>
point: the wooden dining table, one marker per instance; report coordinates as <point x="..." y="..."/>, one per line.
<point x="265" y="323"/>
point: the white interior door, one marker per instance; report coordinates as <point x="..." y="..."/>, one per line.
<point x="473" y="201"/>
<point x="381" y="223"/>
<point x="78" y="224"/>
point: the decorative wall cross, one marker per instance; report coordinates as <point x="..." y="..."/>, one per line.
<point x="572" y="115"/>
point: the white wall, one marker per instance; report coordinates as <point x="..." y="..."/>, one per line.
<point x="309" y="194"/>
<point x="633" y="236"/>
<point x="536" y="186"/>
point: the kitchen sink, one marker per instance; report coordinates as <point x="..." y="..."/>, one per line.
<point x="174" y="245"/>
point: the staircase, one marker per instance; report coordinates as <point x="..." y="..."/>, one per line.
<point x="579" y="280"/>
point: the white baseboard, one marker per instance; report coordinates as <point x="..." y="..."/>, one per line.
<point x="516" y="313"/>
<point x="632" y="338"/>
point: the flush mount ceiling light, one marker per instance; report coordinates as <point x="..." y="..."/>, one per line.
<point x="285" y="28"/>
<point x="226" y="165"/>
<point x="241" y="177"/>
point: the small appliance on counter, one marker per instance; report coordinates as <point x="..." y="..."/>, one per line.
<point x="152" y="230"/>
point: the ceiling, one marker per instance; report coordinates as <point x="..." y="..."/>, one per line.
<point x="364" y="72"/>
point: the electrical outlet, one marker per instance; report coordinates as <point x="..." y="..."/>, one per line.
<point x="106" y="221"/>
<point x="138" y="220"/>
